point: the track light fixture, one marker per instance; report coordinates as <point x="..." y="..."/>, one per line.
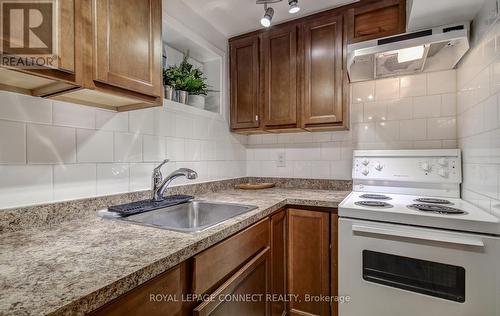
<point x="269" y="12"/>
<point x="294" y="6"/>
<point x="268" y="16"/>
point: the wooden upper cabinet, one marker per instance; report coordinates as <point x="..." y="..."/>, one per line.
<point x="376" y="19"/>
<point x="109" y="55"/>
<point x="244" y="65"/>
<point x="279" y="62"/>
<point x="44" y="79"/>
<point x="323" y="90"/>
<point x="127" y="45"/>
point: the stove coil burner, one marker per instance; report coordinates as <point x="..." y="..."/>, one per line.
<point x="433" y="201"/>
<point x="438" y="209"/>
<point x="375" y="204"/>
<point x="375" y="197"/>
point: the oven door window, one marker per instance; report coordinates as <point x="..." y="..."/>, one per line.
<point x="426" y="277"/>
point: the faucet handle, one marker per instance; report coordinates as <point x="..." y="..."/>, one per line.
<point x="157" y="169"/>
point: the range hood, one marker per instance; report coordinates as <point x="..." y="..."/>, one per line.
<point x="434" y="49"/>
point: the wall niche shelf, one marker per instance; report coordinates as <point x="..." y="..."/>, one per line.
<point x="177" y="39"/>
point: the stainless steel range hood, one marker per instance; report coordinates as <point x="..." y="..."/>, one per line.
<point x="435" y="49"/>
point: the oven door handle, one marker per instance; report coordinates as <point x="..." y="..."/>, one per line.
<point x="419" y="235"/>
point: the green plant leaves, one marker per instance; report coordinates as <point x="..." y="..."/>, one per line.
<point x="186" y="77"/>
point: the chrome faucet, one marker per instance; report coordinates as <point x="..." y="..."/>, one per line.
<point x="160" y="185"/>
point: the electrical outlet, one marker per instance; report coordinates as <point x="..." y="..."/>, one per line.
<point x="281" y="160"/>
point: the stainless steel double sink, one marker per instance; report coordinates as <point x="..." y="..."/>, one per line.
<point x="190" y="217"/>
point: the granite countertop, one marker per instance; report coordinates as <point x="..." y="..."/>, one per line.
<point x="76" y="266"/>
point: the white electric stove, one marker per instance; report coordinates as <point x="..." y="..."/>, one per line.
<point x="408" y="245"/>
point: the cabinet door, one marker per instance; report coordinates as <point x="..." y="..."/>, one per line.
<point x="244" y="67"/>
<point x="377" y="19"/>
<point x="55" y="71"/>
<point x="334" y="260"/>
<point x="252" y="278"/>
<point x="128" y="45"/>
<point x="278" y="261"/>
<point x="171" y="284"/>
<point x="279" y="60"/>
<point x="323" y="86"/>
<point x="308" y="260"/>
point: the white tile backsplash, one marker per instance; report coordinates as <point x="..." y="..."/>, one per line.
<point x="127" y="147"/>
<point x="17" y="107"/>
<point x="112" y="178"/>
<point x="12" y="142"/>
<point x="94" y="146"/>
<point x="441" y="82"/>
<point x="478" y="120"/>
<point x="74" y="181"/>
<point x="413" y="86"/>
<point x="103" y="152"/>
<point x="50" y="144"/>
<point x="25" y="185"/>
<point x="396" y="113"/>
<point x="111" y="121"/>
<point x="64" y="114"/>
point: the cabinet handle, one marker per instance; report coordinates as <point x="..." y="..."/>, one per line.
<point x="419" y="235"/>
<point x="256" y="118"/>
<point x="207" y="307"/>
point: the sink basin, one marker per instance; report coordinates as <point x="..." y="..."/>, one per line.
<point x="191" y="217"/>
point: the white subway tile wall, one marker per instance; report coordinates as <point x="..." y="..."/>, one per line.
<point x="478" y="82"/>
<point x="53" y="151"/>
<point x="411" y="112"/>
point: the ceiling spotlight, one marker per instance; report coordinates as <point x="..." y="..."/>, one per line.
<point x="294" y="6"/>
<point x="268" y="16"/>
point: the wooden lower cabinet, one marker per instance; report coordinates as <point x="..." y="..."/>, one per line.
<point x="253" y="279"/>
<point x="308" y="261"/>
<point x="288" y="253"/>
<point x="147" y="299"/>
<point x="278" y="261"/>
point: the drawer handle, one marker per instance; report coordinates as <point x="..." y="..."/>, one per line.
<point x="419" y="235"/>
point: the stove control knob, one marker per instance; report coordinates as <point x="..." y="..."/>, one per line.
<point x="443" y="162"/>
<point x="443" y="173"/>
<point x="426" y="167"/>
<point x="379" y="167"/>
<point x="365" y="171"/>
<point x="365" y="162"/>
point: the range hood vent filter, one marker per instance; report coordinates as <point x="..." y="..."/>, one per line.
<point x="424" y="51"/>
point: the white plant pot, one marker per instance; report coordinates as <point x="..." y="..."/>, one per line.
<point x="198" y="101"/>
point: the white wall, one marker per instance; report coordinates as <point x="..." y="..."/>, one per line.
<point x="400" y="113"/>
<point x="478" y="79"/>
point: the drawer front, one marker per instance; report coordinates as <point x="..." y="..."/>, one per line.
<point x="138" y="301"/>
<point x="217" y="262"/>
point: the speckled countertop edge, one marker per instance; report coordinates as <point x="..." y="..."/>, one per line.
<point x="79" y="300"/>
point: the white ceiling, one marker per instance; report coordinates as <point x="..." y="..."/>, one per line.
<point x="233" y="17"/>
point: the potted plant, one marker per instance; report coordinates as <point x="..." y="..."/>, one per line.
<point x="197" y="88"/>
<point x="189" y="82"/>
<point x="168" y="82"/>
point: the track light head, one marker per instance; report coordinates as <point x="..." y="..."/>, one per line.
<point x="294" y="6"/>
<point x="268" y="17"/>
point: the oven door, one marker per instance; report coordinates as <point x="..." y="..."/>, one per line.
<point x="395" y="270"/>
